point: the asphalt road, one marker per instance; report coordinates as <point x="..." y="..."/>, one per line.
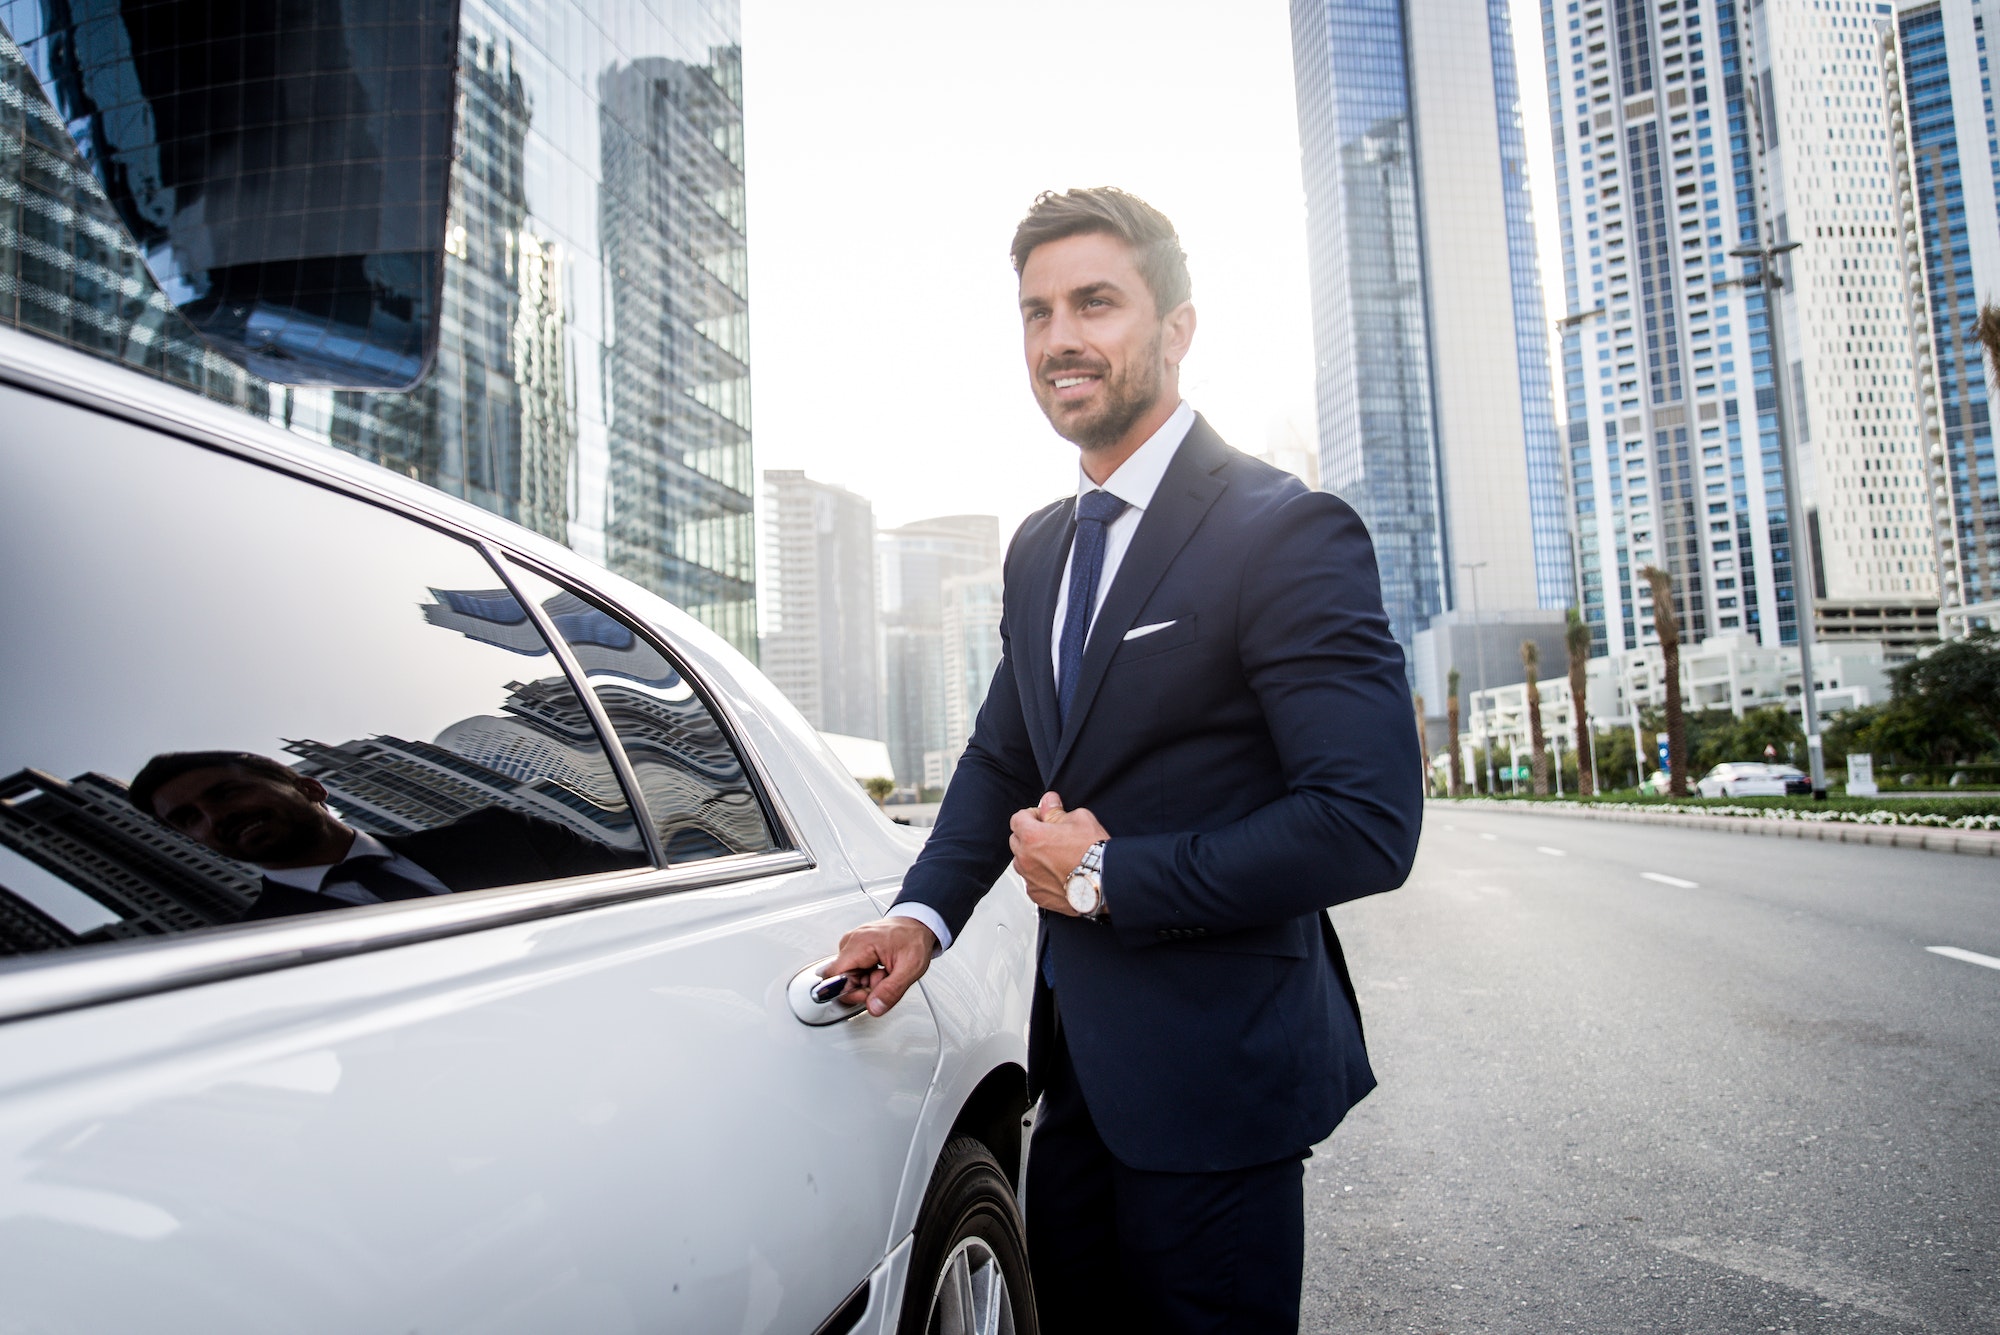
<point x="1746" y="1098"/>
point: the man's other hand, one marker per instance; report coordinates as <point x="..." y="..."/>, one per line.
<point x="1048" y="842"/>
<point x="882" y="959"/>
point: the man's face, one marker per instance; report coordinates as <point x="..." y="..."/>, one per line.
<point x="1094" y="338"/>
<point x="242" y="814"/>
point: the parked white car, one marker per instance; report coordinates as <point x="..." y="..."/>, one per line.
<point x="570" y="1074"/>
<point x="1744" y="779"/>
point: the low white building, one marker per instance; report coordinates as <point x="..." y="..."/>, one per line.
<point x="1732" y="672"/>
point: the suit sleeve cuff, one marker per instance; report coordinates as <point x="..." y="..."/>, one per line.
<point x="928" y="916"/>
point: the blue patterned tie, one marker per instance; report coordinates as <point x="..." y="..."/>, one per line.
<point x="1094" y="512"/>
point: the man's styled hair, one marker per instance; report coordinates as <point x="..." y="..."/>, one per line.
<point x="1109" y="210"/>
<point x="171" y="765"/>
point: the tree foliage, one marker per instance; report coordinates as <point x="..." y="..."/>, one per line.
<point x="1943" y="709"/>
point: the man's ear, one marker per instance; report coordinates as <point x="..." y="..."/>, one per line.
<point x="1179" y="334"/>
<point x="314" y="790"/>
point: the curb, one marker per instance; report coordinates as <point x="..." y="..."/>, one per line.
<point x="1974" y="843"/>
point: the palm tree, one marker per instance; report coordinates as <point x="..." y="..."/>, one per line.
<point x="1577" y="637"/>
<point x="1669" y="630"/>
<point x="1423" y="743"/>
<point x="1457" y="751"/>
<point x="1531" y="662"/>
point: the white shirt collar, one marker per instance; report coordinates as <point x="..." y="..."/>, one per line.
<point x="365" y="845"/>
<point x="1139" y="476"/>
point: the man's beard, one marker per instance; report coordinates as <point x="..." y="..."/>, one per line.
<point x="1127" y="397"/>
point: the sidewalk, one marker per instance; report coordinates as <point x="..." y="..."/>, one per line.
<point x="1975" y="843"/>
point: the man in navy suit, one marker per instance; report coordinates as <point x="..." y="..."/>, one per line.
<point x="1198" y="739"/>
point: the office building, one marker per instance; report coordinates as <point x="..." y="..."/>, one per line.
<point x="1436" y="419"/>
<point x="821" y="650"/>
<point x="1946" y="159"/>
<point x="923" y="666"/>
<point x="1684" y="131"/>
<point x="537" y="267"/>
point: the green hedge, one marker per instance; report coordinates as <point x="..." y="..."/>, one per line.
<point x="1951" y="812"/>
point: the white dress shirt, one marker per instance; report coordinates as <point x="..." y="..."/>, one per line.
<point x="1134" y="483"/>
<point x="365" y="846"/>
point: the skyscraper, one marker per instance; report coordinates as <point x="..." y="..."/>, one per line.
<point x="1682" y="132"/>
<point x="591" y="375"/>
<point x="918" y="561"/>
<point x="821" y="651"/>
<point x="1435" y="416"/>
<point x="1829" y="183"/>
<point x="1947" y="166"/>
<point x="971" y="655"/>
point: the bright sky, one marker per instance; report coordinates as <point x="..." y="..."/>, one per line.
<point x="892" y="146"/>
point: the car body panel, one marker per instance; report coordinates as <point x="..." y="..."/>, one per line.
<point x="1742" y="779"/>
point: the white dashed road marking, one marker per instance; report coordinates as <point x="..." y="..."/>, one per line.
<point x="1969" y="956"/>
<point x="1552" y="852"/>
<point x="1674" y="881"/>
<point x="1489" y="836"/>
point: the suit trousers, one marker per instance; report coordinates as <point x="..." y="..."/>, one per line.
<point x="1113" y="1248"/>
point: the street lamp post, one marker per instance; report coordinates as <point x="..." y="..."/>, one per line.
<point x="1773" y="284"/>
<point x="1479" y="650"/>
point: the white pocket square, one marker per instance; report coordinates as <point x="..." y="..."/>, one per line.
<point x="1137" y="631"/>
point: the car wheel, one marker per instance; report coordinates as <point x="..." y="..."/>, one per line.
<point x="969" y="1264"/>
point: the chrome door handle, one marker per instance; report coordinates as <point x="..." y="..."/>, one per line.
<point x="816" y="1000"/>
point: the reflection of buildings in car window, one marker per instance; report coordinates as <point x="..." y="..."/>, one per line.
<point x="691" y="777"/>
<point x="393" y="785"/>
<point x="151" y="879"/>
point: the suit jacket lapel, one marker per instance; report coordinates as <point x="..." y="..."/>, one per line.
<point x="1184" y="497"/>
<point x="1034" y="669"/>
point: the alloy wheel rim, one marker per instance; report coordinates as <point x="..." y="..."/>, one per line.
<point x="971" y="1296"/>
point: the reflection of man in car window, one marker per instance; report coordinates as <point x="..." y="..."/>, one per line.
<point x="252" y="808"/>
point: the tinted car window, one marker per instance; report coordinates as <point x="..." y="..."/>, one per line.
<point x="324" y="677"/>
<point x="691" y="776"/>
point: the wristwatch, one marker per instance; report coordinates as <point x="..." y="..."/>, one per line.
<point x="1085" y="886"/>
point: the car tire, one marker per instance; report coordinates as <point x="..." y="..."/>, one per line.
<point x="969" y="1263"/>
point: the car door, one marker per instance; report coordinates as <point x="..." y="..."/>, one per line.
<point x="560" y="1089"/>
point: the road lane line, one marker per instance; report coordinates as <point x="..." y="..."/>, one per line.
<point x="1489" y="836"/>
<point x="1969" y="956"/>
<point x="1552" y="852"/>
<point x="1674" y="881"/>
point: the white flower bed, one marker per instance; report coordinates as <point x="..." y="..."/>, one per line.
<point x="1879" y="816"/>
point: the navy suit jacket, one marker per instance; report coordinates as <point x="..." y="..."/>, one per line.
<point x="1255" y="762"/>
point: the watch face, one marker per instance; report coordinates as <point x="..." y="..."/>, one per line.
<point x="1082" y="892"/>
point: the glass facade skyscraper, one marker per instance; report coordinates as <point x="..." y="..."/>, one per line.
<point x="1948" y="160"/>
<point x="1548" y="500"/>
<point x="1436" y="418"/>
<point x="1371" y="335"/>
<point x="591" y="374"/>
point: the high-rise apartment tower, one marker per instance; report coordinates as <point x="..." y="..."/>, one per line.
<point x="1685" y="131"/>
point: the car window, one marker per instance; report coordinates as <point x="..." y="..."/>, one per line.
<point x="233" y="695"/>
<point x="691" y="775"/>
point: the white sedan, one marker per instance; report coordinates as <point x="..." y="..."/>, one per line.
<point x="1743" y="779"/>
<point x="415" y="928"/>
